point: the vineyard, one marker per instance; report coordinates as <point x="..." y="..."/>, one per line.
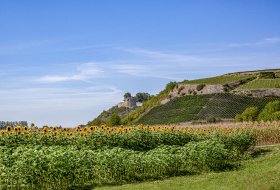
<point x="202" y="107"/>
<point x="82" y="158"/>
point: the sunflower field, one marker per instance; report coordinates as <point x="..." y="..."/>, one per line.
<point x="82" y="158"/>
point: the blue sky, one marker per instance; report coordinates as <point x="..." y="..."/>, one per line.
<point x="63" y="62"/>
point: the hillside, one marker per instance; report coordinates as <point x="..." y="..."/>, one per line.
<point x="261" y="84"/>
<point x="106" y="114"/>
<point x="224" y="79"/>
<point x="220" y="97"/>
<point x="203" y="107"/>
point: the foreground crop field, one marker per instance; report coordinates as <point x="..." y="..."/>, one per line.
<point x="83" y="158"/>
<point x="261" y="173"/>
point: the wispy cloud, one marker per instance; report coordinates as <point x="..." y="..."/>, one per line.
<point x="264" y="42"/>
<point x="160" y="55"/>
<point x="85" y="71"/>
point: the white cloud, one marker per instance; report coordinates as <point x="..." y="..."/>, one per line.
<point x="159" y="55"/>
<point x="84" y="72"/>
<point x="264" y="42"/>
<point x="131" y="69"/>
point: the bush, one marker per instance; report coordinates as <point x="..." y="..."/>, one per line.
<point x="249" y="114"/>
<point x="238" y="117"/>
<point x="170" y="86"/>
<point x="200" y="87"/>
<point x="270" y="112"/>
<point x="180" y="89"/>
<point x="114" y="120"/>
<point x="267" y="75"/>
<point x="213" y="120"/>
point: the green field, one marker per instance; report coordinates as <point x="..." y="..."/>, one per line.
<point x="261" y="173"/>
<point x="224" y="79"/>
<point x="261" y="84"/>
<point x="201" y="107"/>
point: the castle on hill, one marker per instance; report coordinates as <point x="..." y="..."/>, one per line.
<point x="129" y="102"/>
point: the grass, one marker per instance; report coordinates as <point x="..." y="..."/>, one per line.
<point x="262" y="173"/>
<point x="202" y="107"/>
<point x="261" y="84"/>
<point x="224" y="79"/>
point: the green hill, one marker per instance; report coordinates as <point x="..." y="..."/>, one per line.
<point x="261" y="84"/>
<point x="202" y="107"/>
<point x="224" y="79"/>
<point x="201" y="99"/>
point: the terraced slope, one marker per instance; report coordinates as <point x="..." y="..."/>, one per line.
<point x="261" y="84"/>
<point x="189" y="108"/>
<point x="178" y="110"/>
<point x="228" y="105"/>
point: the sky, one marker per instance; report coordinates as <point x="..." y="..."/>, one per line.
<point x="63" y="62"/>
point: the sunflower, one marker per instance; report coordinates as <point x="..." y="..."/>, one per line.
<point x="70" y="134"/>
<point x="86" y="129"/>
<point x="18" y="128"/>
<point x="9" y="129"/>
<point x="55" y="128"/>
<point x="2" y="132"/>
<point x="56" y="133"/>
<point x="25" y="128"/>
<point x="92" y="128"/>
<point x="83" y="134"/>
<point x="46" y="130"/>
<point x="78" y="129"/>
<point x="66" y="129"/>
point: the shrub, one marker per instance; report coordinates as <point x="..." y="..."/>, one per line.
<point x="170" y="86"/>
<point x="114" y="120"/>
<point x="213" y="120"/>
<point x="238" y="117"/>
<point x="267" y="75"/>
<point x="270" y="112"/>
<point x="249" y="114"/>
<point x="200" y="87"/>
<point x="180" y="89"/>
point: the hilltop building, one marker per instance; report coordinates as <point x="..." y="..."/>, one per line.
<point x="129" y="102"/>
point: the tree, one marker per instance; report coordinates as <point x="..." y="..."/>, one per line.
<point x="114" y="120"/>
<point x="127" y="95"/>
<point x="170" y="86"/>
<point x="142" y="96"/>
<point x="270" y="112"/>
<point x="249" y="114"/>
